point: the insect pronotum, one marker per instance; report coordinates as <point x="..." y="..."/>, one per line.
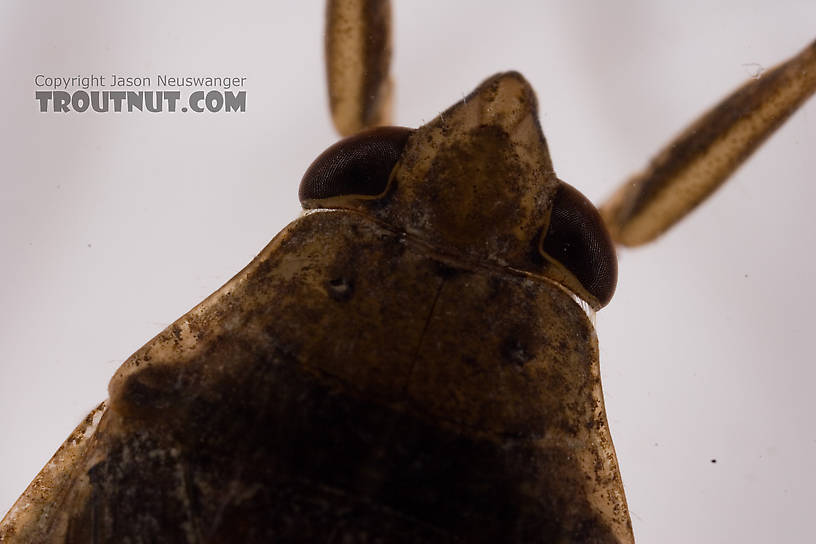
<point x="665" y="280"/>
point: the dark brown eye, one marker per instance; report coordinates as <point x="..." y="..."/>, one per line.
<point x="577" y="238"/>
<point x="359" y="165"/>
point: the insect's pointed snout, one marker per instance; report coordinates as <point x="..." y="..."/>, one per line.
<point x="477" y="178"/>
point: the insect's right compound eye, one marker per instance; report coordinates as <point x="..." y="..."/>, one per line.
<point x="578" y="240"/>
<point x="358" y="167"/>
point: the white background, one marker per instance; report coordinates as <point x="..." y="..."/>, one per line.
<point x="113" y="225"/>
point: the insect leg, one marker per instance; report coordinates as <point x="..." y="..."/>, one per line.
<point x="707" y="152"/>
<point x="358" y="58"/>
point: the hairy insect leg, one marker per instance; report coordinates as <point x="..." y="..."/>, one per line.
<point x="358" y="59"/>
<point x="705" y="154"/>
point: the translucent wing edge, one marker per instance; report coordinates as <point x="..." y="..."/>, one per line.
<point x="32" y="517"/>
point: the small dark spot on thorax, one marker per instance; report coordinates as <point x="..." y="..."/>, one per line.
<point x="515" y="352"/>
<point x="340" y="289"/>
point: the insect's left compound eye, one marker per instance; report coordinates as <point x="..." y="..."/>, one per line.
<point x="357" y="167"/>
<point x="577" y="239"/>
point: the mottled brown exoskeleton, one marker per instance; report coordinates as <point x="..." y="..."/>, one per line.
<point x="435" y="376"/>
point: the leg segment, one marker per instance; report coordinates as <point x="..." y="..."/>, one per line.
<point x="358" y="58"/>
<point x="704" y="155"/>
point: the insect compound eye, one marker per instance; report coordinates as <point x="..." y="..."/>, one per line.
<point x="578" y="240"/>
<point x="358" y="166"/>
